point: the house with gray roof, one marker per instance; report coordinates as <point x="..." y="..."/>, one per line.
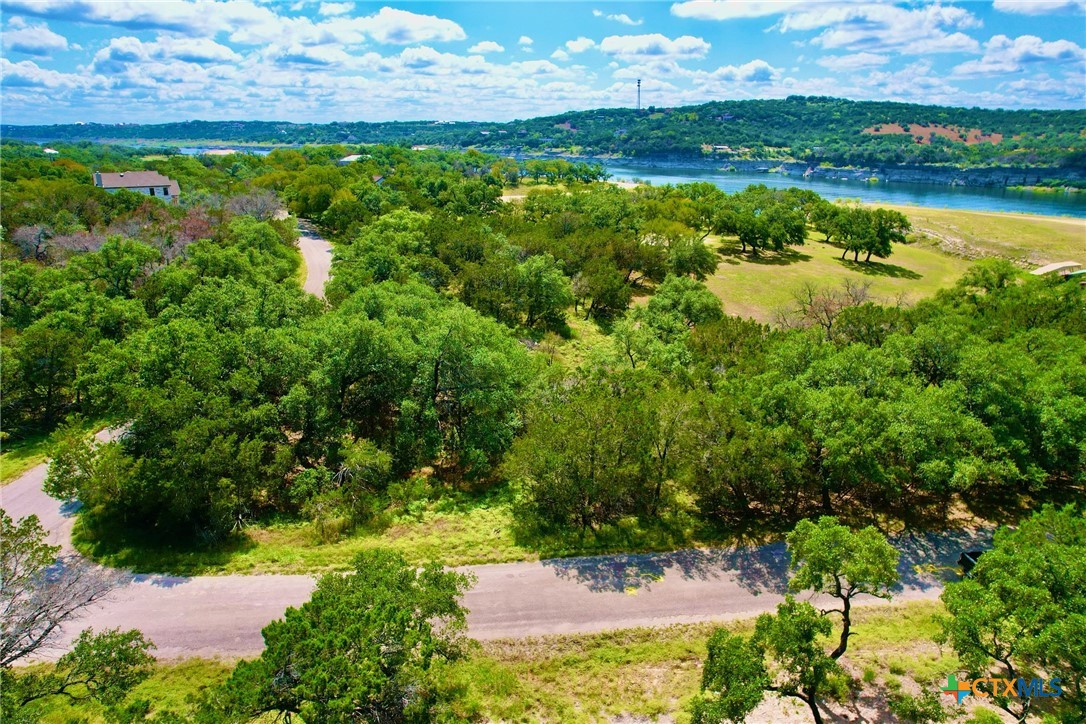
<point x="151" y="183"/>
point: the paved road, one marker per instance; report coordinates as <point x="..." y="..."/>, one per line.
<point x="318" y="258"/>
<point x="223" y="615"/>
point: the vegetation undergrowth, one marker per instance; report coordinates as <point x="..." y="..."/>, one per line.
<point x="645" y="672"/>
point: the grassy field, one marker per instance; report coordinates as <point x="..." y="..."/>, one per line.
<point x="174" y="687"/>
<point x="758" y="287"/>
<point x="654" y="673"/>
<point x="18" y="456"/>
<point x="637" y="674"/>
<point x="455" y="534"/>
<point x="1022" y="237"/>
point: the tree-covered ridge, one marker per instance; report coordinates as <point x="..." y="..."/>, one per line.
<point x="810" y="129"/>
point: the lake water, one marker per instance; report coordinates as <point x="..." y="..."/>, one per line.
<point x="970" y="198"/>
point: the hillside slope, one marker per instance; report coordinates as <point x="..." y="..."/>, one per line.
<point x="811" y="129"/>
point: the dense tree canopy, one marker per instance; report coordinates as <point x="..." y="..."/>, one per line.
<point x="244" y="397"/>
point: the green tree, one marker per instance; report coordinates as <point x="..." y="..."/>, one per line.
<point x="784" y="655"/>
<point x="1022" y="610"/>
<point x="829" y="558"/>
<point x="366" y="646"/>
<point x="101" y="667"/>
<point x="545" y="291"/>
<point x="791" y="638"/>
<point x="689" y="256"/>
<point x="583" y="460"/>
<point x="118" y="265"/>
<point x="888" y="228"/>
<point x="762" y="219"/>
<point x="733" y="681"/>
<point x="604" y="288"/>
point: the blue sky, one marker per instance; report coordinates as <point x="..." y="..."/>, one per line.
<point x="308" y="60"/>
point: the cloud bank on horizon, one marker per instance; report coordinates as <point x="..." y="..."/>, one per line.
<point x="67" y="61"/>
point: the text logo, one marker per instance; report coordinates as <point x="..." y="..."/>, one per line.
<point x="1002" y="687"/>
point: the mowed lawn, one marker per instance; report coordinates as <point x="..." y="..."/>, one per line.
<point x="758" y="287"/>
<point x="1034" y="238"/>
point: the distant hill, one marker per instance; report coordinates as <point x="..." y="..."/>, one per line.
<point x="811" y="129"/>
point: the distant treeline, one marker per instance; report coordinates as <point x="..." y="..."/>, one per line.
<point x="812" y="129"/>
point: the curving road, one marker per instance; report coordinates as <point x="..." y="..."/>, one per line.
<point x="317" y="253"/>
<point x="222" y="615"/>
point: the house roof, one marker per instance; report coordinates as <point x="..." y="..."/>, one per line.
<point x="135" y="180"/>
<point x="1058" y="266"/>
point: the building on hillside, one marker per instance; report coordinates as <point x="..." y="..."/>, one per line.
<point x="347" y="160"/>
<point x="151" y="183"/>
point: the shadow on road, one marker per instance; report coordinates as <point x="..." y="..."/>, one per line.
<point x="70" y="508"/>
<point x="162" y="581"/>
<point x="928" y="560"/>
<point x="761" y="569"/>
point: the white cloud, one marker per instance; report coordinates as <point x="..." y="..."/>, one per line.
<point x="1065" y="92"/>
<point x="1003" y="55"/>
<point x="193" y="50"/>
<point x="333" y="9"/>
<point x="32" y="39"/>
<point x="854" y="61"/>
<point x="404" y="28"/>
<point x="580" y="45"/>
<point x="642" y="47"/>
<point x="731" y="9"/>
<point x="756" y="71"/>
<point x="880" y="28"/>
<point x="240" y="58"/>
<point x="27" y="74"/>
<point x="426" y="60"/>
<point x="487" y="46"/>
<point x="618" y="18"/>
<point x="115" y="57"/>
<point x="245" y="21"/>
<point x="1040" y="7"/>
<point x="311" y="56"/>
<point x="199" y="18"/>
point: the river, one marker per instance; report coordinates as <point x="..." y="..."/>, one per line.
<point x="971" y="198"/>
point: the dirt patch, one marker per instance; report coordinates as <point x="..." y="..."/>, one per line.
<point x="924" y="134"/>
